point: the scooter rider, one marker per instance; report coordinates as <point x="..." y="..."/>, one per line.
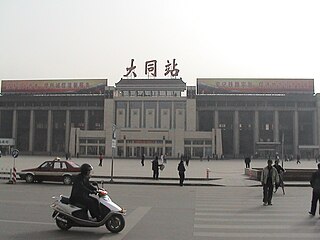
<point x="81" y="189"/>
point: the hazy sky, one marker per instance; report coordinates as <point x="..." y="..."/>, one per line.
<point x="43" y="39"/>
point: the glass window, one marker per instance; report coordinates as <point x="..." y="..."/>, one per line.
<point x="46" y="165"/>
<point x="187" y="142"/>
<point x="63" y="165"/>
<point x="56" y="165"/>
<point x="198" y="142"/>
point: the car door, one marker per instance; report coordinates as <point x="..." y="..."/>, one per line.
<point x="56" y="171"/>
<point x="44" y="172"/>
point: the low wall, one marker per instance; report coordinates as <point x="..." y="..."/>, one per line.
<point x="289" y="175"/>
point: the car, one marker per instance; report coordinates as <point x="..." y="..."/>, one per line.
<point x="54" y="171"/>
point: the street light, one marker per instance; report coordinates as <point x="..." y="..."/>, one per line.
<point x="113" y="146"/>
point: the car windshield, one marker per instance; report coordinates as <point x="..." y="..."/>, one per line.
<point x="73" y="164"/>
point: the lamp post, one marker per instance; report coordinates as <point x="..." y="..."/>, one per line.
<point x="282" y="148"/>
<point x="113" y="146"/>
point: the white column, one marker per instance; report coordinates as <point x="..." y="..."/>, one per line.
<point x="315" y="128"/>
<point x="256" y="130"/>
<point x="142" y="124"/>
<point x="236" y="134"/>
<point x="276" y="126"/>
<point x="172" y="116"/>
<point x="216" y="119"/>
<point x="14" y="125"/>
<point x="67" y="133"/>
<point x="49" y="132"/>
<point x="31" y="133"/>
<point x="86" y="119"/>
<point x="295" y="132"/>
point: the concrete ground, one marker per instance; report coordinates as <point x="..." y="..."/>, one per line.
<point x="222" y="172"/>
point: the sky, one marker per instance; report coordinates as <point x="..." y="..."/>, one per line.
<point x="61" y="39"/>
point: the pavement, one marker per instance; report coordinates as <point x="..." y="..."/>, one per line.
<point x="130" y="171"/>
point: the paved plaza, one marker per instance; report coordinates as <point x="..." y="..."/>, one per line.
<point x="223" y="172"/>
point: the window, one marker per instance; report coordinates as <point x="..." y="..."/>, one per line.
<point x="56" y="165"/>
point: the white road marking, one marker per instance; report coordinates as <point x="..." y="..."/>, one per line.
<point x="131" y="220"/>
<point x="25" y="222"/>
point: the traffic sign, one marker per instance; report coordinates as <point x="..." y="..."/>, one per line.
<point x="15" y="153"/>
<point x="114" y="143"/>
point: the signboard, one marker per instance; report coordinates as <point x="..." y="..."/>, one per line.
<point x="53" y="86"/>
<point x="244" y="86"/>
<point x="7" y="142"/>
<point x="15" y="153"/>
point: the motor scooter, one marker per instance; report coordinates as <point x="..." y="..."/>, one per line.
<point x="68" y="215"/>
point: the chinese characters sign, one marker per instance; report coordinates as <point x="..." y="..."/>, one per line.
<point x="150" y="69"/>
<point x="238" y="85"/>
<point x="54" y="86"/>
<point x="7" y="142"/>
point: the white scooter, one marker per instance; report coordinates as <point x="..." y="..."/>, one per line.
<point x="67" y="215"/>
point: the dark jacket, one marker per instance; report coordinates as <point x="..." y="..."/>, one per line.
<point x="181" y="167"/>
<point x="81" y="189"/>
<point x="315" y="181"/>
<point x="155" y="165"/>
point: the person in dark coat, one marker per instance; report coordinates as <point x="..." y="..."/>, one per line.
<point x="247" y="161"/>
<point x="281" y="172"/>
<point x="181" y="170"/>
<point x="155" y="168"/>
<point x="142" y="160"/>
<point x="315" y="184"/>
<point x="81" y="189"/>
<point x="100" y="159"/>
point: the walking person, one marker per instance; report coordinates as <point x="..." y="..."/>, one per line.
<point x="281" y="172"/>
<point x="142" y="160"/>
<point x="155" y="168"/>
<point x="181" y="170"/>
<point x="100" y="159"/>
<point x="269" y="177"/>
<point x="247" y="161"/>
<point x="315" y="184"/>
<point x="298" y="159"/>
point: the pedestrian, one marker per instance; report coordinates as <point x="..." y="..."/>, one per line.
<point x="247" y="161"/>
<point x="269" y="177"/>
<point x="165" y="158"/>
<point x="281" y="172"/>
<point x="298" y="159"/>
<point x="155" y="168"/>
<point x="100" y="160"/>
<point x="181" y="170"/>
<point x="187" y="158"/>
<point x="142" y="160"/>
<point x="208" y="158"/>
<point x="315" y="184"/>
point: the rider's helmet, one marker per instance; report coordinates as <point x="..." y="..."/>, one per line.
<point x="85" y="168"/>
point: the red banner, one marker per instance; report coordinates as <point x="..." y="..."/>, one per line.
<point x="238" y="85"/>
<point x="53" y="86"/>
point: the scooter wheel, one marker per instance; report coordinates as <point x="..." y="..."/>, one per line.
<point x="62" y="225"/>
<point x="115" y="223"/>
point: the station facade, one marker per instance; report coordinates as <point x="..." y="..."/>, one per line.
<point x="218" y="118"/>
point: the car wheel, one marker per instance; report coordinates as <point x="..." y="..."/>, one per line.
<point x="67" y="180"/>
<point x="29" y="178"/>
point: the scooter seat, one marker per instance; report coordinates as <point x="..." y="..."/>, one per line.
<point x="64" y="200"/>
